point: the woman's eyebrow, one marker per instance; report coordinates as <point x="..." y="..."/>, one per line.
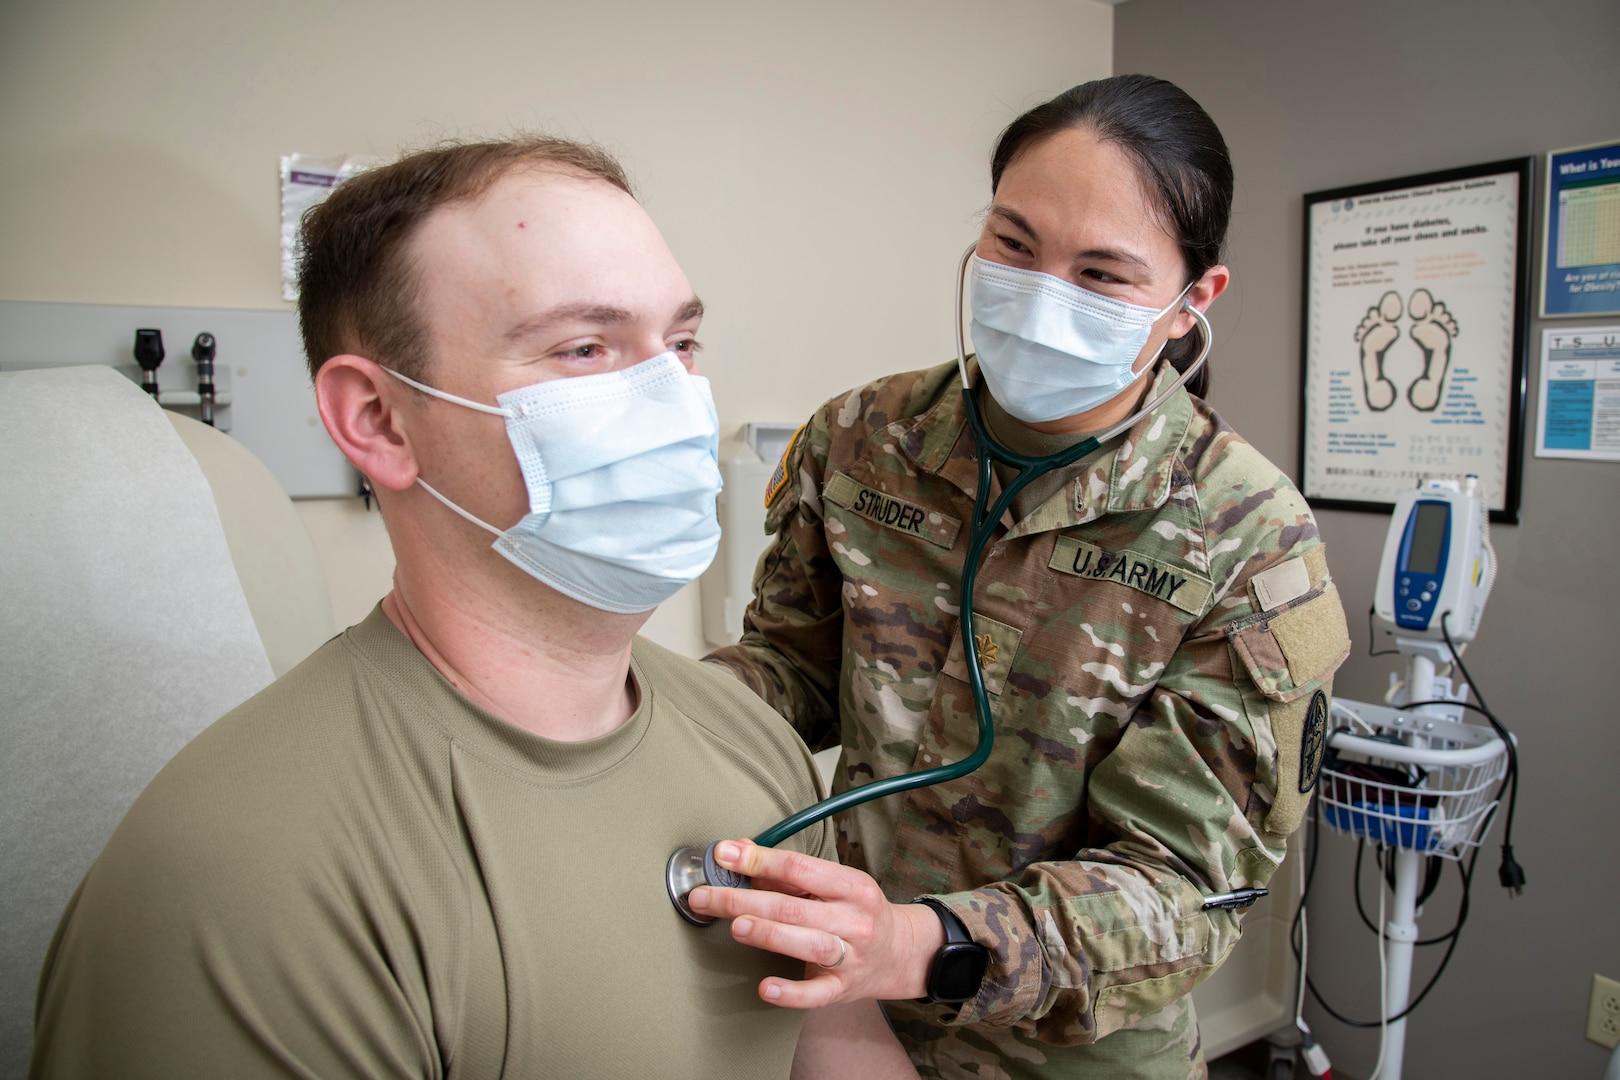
<point x="1016" y="220"/>
<point x="1115" y="255"/>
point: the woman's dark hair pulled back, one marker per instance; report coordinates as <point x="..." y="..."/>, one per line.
<point x="1178" y="151"/>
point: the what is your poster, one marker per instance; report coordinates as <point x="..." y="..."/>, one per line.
<point x="1581" y="258"/>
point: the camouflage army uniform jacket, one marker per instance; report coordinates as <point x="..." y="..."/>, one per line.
<point x="1158" y="640"/>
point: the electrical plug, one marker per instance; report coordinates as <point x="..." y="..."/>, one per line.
<point x="1510" y="873"/>
<point x="1316" y="1059"/>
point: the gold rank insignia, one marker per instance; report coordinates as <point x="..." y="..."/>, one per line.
<point x="987" y="651"/>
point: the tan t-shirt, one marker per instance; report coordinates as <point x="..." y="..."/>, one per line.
<point x="359" y="873"/>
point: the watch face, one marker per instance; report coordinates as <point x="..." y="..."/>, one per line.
<point x="958" y="970"/>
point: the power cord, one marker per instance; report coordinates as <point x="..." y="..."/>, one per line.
<point x="1310" y="875"/>
<point x="1510" y="873"/>
<point x="1372" y="634"/>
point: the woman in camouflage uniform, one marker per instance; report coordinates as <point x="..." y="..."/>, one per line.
<point x="1156" y="627"/>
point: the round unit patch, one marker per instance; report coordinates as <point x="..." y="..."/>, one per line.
<point x="1312" y="741"/>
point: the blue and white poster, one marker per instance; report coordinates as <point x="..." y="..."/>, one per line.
<point x="1413" y="336"/>
<point x="1579" y="413"/>
<point x="1580" y="266"/>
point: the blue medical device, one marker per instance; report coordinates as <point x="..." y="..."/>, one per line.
<point x="1437" y="564"/>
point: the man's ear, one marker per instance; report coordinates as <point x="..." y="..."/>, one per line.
<point x="1202" y="294"/>
<point x="359" y="404"/>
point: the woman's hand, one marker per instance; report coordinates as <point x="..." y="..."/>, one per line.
<point x="855" y="944"/>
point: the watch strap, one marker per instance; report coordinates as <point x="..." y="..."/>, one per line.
<point x="956" y="931"/>
<point x="958" y="967"/>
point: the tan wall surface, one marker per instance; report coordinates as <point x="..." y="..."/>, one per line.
<point x="816" y="168"/>
<point x="1317" y="96"/>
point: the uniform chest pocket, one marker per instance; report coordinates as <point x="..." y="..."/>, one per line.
<point x="998" y="646"/>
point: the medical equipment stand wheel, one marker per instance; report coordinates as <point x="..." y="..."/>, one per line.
<point x="1282" y="1053"/>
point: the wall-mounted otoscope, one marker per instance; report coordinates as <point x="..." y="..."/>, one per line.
<point x="202" y="351"/>
<point x="149" y="354"/>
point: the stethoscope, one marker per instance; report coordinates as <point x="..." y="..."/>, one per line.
<point x="690" y="867"/>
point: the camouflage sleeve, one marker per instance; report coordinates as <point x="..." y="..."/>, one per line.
<point x="791" y="646"/>
<point x="1198" y="797"/>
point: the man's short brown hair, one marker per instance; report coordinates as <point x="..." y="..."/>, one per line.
<point x="356" y="284"/>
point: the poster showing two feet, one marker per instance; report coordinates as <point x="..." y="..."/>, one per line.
<point x="1410" y="311"/>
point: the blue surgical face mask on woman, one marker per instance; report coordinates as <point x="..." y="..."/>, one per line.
<point x="622" y="470"/>
<point x="1050" y="349"/>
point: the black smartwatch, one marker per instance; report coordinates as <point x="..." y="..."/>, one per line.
<point x="959" y="966"/>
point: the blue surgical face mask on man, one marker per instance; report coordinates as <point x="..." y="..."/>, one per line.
<point x="1050" y="349"/>
<point x="622" y="470"/>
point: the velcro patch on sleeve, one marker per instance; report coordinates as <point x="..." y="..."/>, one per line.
<point x="1284" y="582"/>
<point x="779" y="478"/>
<point x="1173" y="584"/>
<point x="890" y="512"/>
<point x="1300" y="730"/>
<point x="1294" y="651"/>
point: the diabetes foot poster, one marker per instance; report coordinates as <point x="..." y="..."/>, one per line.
<point x="1414" y="323"/>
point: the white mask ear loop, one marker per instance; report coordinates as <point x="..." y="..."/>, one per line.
<point x="493" y="410"/>
<point x="454" y="400"/>
<point x="480" y="522"/>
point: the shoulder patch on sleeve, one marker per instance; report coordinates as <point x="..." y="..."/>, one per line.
<point x="779" y="478"/>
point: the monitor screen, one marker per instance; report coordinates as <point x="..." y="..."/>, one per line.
<point x="1428" y="537"/>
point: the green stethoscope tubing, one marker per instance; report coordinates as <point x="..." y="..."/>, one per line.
<point x="980" y="530"/>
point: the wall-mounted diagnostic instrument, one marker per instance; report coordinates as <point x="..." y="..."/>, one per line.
<point x="202" y="351"/>
<point x="245" y="374"/>
<point x="149" y="355"/>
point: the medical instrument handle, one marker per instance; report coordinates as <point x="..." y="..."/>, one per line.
<point x="203" y="351"/>
<point x="149" y="355"/>
<point x="983" y="527"/>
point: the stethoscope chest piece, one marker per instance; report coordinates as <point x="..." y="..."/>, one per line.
<point x="690" y="867"/>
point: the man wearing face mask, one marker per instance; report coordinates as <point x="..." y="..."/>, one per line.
<point x="1156" y="631"/>
<point x="435" y="847"/>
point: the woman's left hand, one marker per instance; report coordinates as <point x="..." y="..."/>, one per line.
<point x="855" y="944"/>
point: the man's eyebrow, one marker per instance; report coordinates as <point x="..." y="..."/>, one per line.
<point x="1117" y="255"/>
<point x="601" y="314"/>
<point x="692" y="309"/>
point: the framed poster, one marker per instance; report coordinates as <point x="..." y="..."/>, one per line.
<point x="1579" y="412"/>
<point x="1580" y="261"/>
<point x="1416" y="293"/>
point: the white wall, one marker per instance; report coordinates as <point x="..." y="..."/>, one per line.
<point x="1317" y="96"/>
<point x="817" y="168"/>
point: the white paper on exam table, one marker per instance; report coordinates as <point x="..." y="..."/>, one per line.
<point x="124" y="632"/>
